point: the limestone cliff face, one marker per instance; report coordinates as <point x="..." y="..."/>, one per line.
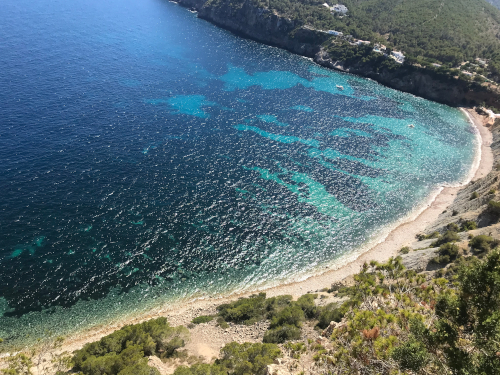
<point x="261" y="24"/>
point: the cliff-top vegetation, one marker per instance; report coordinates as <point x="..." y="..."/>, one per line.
<point x="427" y="31"/>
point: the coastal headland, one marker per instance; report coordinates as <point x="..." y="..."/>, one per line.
<point x="266" y="26"/>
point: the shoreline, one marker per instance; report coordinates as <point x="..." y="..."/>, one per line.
<point x="380" y="250"/>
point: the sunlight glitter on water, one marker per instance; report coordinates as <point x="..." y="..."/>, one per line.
<point x="141" y="165"/>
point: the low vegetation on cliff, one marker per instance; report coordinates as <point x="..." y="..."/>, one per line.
<point x="396" y="321"/>
<point x="428" y="32"/>
<point x="393" y="321"/>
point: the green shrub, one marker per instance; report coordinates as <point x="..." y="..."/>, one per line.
<point x="404" y="250"/>
<point x="285" y="315"/>
<point x="113" y="363"/>
<point x="306" y="303"/>
<point x="474" y="195"/>
<point x="468" y="225"/>
<point x="492" y="191"/>
<point x="296" y="349"/>
<point x="139" y="369"/>
<point x="281" y="334"/>
<point x="412" y="355"/>
<point x="241" y="359"/>
<point x="200" y="369"/>
<point x="236" y="359"/>
<point x="222" y="323"/>
<point x="203" y="319"/>
<point x="127" y="346"/>
<point x="422" y="237"/>
<point x="494" y="207"/>
<point x="335" y="287"/>
<point x="449" y="236"/>
<point x="447" y="253"/>
<point x="346" y="291"/>
<point x="276" y="304"/>
<point x="245" y="310"/>
<point x="483" y="243"/>
<point x="441" y="272"/>
<point x="282" y="311"/>
<point x="453" y="227"/>
<point x="290" y="315"/>
<point x="328" y="314"/>
<point x="475" y="307"/>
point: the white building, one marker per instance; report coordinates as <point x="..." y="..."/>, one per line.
<point x="398" y="56"/>
<point x="360" y="42"/>
<point x="326" y="5"/>
<point x="339" y="8"/>
<point x="481" y="61"/>
<point x="379" y="48"/>
<point x="336" y="33"/>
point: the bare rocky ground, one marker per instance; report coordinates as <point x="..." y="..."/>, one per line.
<point x="208" y="338"/>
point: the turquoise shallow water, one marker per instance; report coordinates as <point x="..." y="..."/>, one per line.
<point x="147" y="156"/>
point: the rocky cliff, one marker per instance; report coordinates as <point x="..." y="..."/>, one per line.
<point x="262" y="25"/>
<point x="259" y="23"/>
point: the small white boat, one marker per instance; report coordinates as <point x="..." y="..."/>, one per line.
<point x="411" y="126"/>
<point x="340" y="87"/>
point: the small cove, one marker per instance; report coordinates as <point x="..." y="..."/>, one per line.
<point x="148" y="156"/>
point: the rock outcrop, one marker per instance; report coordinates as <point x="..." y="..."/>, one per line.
<point x="421" y="260"/>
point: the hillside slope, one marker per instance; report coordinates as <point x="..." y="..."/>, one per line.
<point x="294" y="26"/>
<point x="448" y="31"/>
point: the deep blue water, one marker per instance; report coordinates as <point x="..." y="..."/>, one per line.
<point x="146" y="155"/>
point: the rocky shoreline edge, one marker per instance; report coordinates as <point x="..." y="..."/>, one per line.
<point x="265" y="26"/>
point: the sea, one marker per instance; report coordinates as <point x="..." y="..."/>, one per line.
<point x="148" y="157"/>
